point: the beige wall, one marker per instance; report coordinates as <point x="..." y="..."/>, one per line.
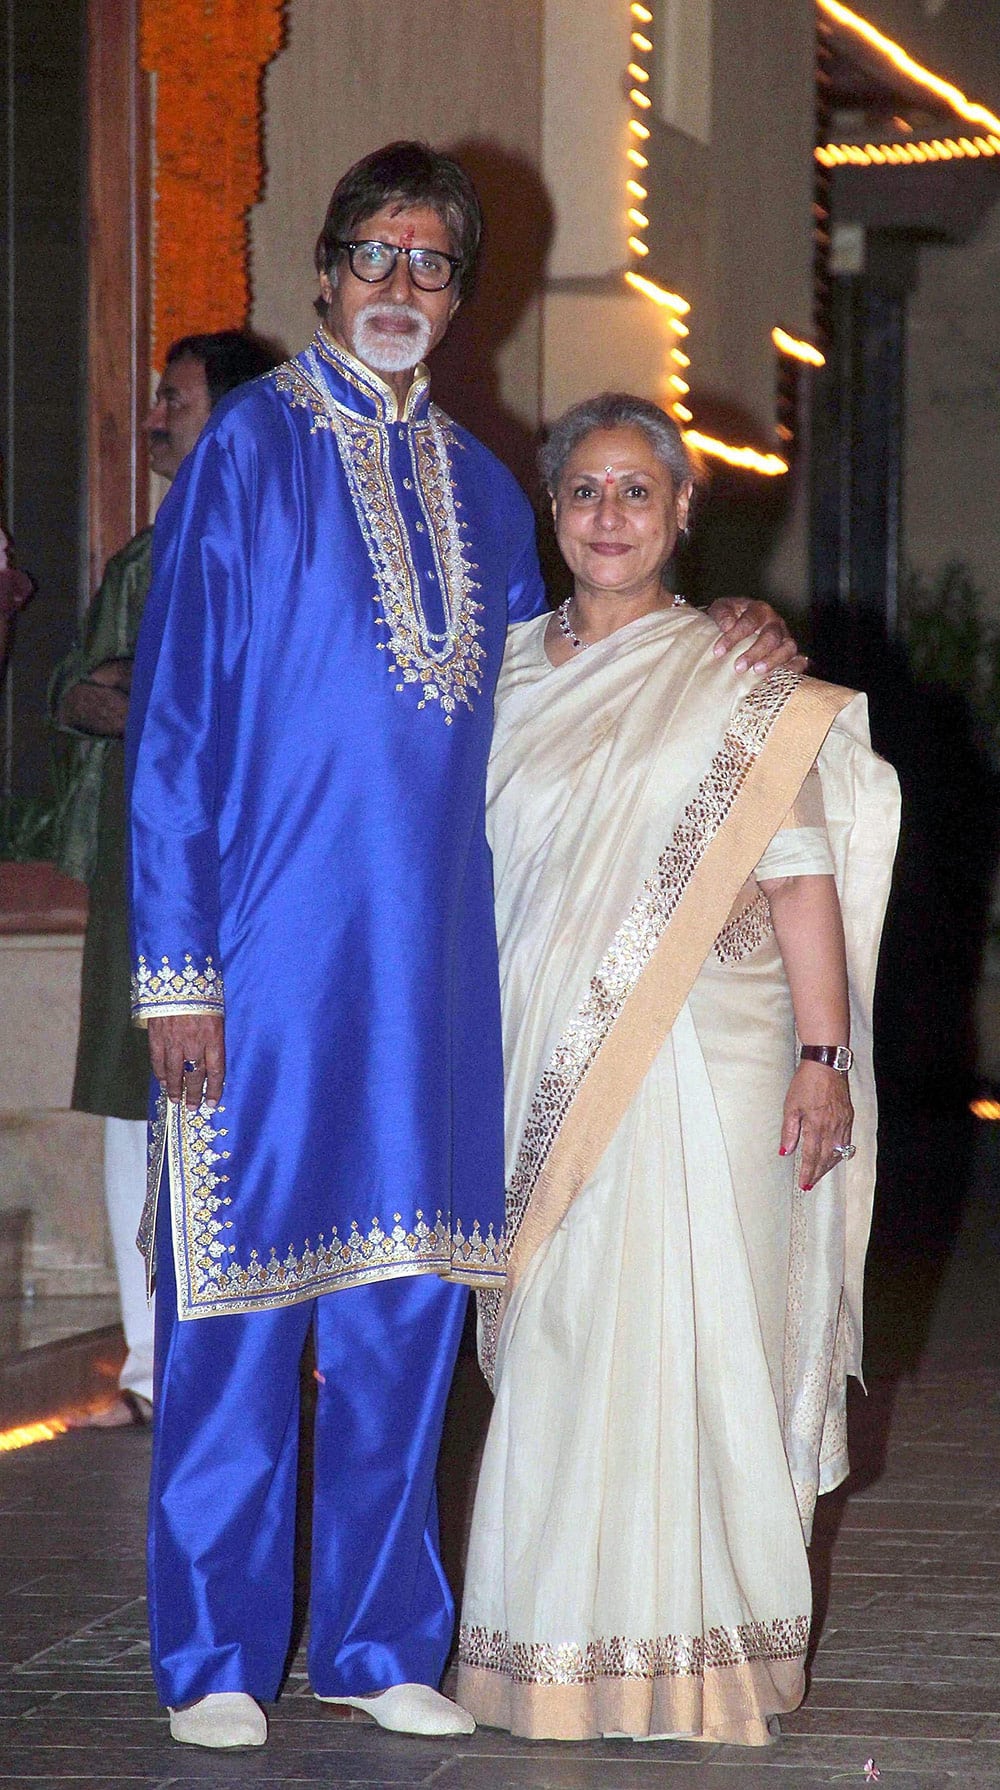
<point x="460" y="74"/>
<point x="731" y="225"/>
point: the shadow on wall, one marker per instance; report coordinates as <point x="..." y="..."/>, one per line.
<point x="519" y="223"/>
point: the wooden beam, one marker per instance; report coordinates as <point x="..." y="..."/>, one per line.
<point x="119" y="234"/>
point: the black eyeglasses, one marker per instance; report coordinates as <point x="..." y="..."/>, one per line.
<point x="430" y="269"/>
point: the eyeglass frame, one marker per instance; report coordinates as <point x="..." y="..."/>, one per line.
<point x="454" y="261"/>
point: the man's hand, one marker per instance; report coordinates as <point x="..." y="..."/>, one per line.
<point x="743" y="618"/>
<point x="197" y="1038"/>
<point x="99" y="703"/>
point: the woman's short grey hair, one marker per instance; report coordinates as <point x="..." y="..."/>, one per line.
<point x="615" y="410"/>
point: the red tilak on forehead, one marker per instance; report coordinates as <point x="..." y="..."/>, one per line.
<point x="609" y="475"/>
<point x="406" y="236"/>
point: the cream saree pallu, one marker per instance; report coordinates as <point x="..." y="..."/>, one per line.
<point x="670" y="1349"/>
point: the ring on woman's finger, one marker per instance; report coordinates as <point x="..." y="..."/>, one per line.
<point x="845" y="1151"/>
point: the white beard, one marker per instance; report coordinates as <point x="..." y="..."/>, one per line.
<point x="390" y="353"/>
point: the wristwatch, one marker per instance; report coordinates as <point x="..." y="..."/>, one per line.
<point x="832" y="1056"/>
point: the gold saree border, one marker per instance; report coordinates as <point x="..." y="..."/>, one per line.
<point x="722" y="1686"/>
<point x="614" y="1037"/>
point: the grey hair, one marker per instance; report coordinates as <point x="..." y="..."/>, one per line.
<point x="616" y="410"/>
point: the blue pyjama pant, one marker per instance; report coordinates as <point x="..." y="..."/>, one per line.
<point x="223" y="1489"/>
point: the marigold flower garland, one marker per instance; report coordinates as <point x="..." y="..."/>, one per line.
<point x="208" y="58"/>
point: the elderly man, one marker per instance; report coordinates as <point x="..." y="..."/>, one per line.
<point x="89" y="698"/>
<point x="315" y="960"/>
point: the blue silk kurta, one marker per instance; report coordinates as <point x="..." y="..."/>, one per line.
<point x="310" y="720"/>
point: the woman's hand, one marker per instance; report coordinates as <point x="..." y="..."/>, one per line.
<point x="819" y="1116"/>
<point x="745" y="618"/>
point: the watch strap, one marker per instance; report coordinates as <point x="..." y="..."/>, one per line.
<point x="832" y="1056"/>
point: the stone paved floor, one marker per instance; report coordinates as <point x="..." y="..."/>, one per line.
<point x="907" y="1567"/>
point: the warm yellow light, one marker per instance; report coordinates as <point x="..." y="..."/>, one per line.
<point x="642" y="13"/>
<point x="637" y="191"/>
<point x="894" y="53"/>
<point x="681" y="412"/>
<point x="658" y="294"/>
<point x="798" y="350"/>
<point x="29" y="1433"/>
<point x="638" y="218"/>
<point x="637" y="246"/>
<point x="679" y="329"/>
<point x="639" y="99"/>
<point x="677" y="355"/>
<point x="638" y="130"/>
<point x="939" y="149"/>
<point x="771" y="465"/>
<point x="637" y="73"/>
<point x="985" y="1109"/>
<point x="637" y="160"/>
<point x="642" y="43"/>
<point x="679" y="384"/>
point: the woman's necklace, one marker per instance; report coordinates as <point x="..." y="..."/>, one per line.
<point x="565" y="624"/>
<point x="578" y="645"/>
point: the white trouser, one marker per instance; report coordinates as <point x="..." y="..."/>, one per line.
<point x="124" y="1192"/>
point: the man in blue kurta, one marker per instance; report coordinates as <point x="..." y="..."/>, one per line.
<point x="334" y="572"/>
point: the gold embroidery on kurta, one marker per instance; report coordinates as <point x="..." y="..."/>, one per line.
<point x="156" y="1142"/>
<point x="627" y="956"/>
<point x="190" y="989"/>
<point x="616" y="1656"/>
<point x="212" y="1281"/>
<point x="446" y="662"/>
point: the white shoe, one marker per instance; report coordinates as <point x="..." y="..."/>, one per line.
<point x="410" y="1709"/>
<point x="224" y="1719"/>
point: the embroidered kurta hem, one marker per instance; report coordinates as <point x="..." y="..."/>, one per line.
<point x="670" y="1348"/>
<point x="310" y="722"/>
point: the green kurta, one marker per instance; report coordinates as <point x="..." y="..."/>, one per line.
<point x="112" y="1065"/>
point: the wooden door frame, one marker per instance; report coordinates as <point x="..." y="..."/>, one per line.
<point x="119" y="127"/>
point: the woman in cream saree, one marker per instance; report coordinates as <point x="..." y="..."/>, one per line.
<point x="670" y="1351"/>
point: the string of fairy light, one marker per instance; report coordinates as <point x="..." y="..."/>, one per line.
<point x="982" y="141"/>
<point x="969" y="147"/>
<point x="677" y="309"/>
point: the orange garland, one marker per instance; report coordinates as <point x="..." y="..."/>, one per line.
<point x="208" y="57"/>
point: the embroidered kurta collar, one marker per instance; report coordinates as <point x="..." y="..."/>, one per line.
<point x="359" y="389"/>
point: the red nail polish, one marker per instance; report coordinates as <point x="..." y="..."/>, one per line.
<point x="782" y="1151"/>
<point x="808" y="1188"/>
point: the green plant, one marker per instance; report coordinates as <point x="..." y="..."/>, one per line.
<point x="953" y="640"/>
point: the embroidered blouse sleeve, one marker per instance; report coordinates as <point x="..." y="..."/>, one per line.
<point x="800" y="847"/>
<point x="192" y="631"/>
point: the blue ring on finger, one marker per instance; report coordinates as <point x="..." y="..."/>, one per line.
<point x="189" y="1068"/>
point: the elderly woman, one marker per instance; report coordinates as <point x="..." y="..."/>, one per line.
<point x="691" y="871"/>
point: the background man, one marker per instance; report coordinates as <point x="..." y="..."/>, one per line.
<point x="337" y="565"/>
<point x="89" y="698"/>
